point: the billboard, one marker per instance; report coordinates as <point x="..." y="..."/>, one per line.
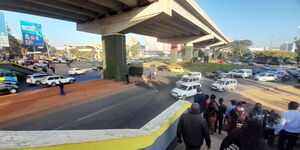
<point x="32" y="34"/>
<point x="3" y="32"/>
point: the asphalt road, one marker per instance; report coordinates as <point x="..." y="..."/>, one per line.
<point x="130" y="109"/>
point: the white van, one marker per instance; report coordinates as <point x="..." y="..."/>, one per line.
<point x="224" y="84"/>
<point x="193" y="74"/>
<point x="185" y="90"/>
<point x="189" y="79"/>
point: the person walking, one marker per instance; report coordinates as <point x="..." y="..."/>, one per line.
<point x="257" y="112"/>
<point x="211" y="113"/>
<point x="61" y="88"/>
<point x="200" y="99"/>
<point x="192" y="127"/>
<point x="289" y="127"/>
<point x="271" y="121"/>
<point x="101" y="73"/>
<point x="239" y="117"/>
<point x="248" y="138"/>
<point x="220" y="115"/>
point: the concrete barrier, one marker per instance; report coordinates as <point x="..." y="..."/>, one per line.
<point x="156" y="134"/>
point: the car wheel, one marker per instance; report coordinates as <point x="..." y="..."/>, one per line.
<point x="13" y="91"/>
<point x="53" y="84"/>
<point x="183" y="97"/>
<point x="38" y="82"/>
<point x="71" y="81"/>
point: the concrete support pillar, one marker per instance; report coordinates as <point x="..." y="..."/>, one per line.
<point x="189" y="53"/>
<point x="174" y="54"/>
<point x="114" y="62"/>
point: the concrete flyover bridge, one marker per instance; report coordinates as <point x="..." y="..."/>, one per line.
<point x="171" y="21"/>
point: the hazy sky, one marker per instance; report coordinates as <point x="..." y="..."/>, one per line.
<point x="255" y="20"/>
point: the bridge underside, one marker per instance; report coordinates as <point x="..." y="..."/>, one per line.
<point x="171" y="21"/>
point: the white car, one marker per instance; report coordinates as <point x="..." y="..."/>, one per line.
<point x="266" y="77"/>
<point x="187" y="80"/>
<point x="193" y="74"/>
<point x="224" y="84"/>
<point x="55" y="80"/>
<point x="268" y="67"/>
<point x="41" y="65"/>
<point x="76" y="71"/>
<point x="185" y="90"/>
<point x="36" y="78"/>
<point x="236" y="63"/>
<point x="244" y="73"/>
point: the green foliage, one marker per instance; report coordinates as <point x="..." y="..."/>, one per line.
<point x="240" y="47"/>
<point x="297" y="42"/>
<point x="210" y="67"/>
<point x="75" y="52"/>
<point x="14" y="46"/>
<point x="134" y="50"/>
<point x="161" y="54"/>
<point x="275" y="54"/>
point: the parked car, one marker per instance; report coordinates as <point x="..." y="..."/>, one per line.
<point x="7" y="75"/>
<point x="31" y="61"/>
<point x="10" y="87"/>
<point x="177" y="69"/>
<point x="40" y="65"/>
<point x="185" y="90"/>
<point x="266" y="77"/>
<point x="267" y="67"/>
<point x="36" y="78"/>
<point x="291" y="70"/>
<point x="55" y="79"/>
<point x="275" y="70"/>
<point x="252" y="63"/>
<point x="283" y="76"/>
<point x="187" y="80"/>
<point x="193" y="74"/>
<point x="243" y="73"/>
<point x="299" y="79"/>
<point x="224" y="84"/>
<point x="236" y="63"/>
<point x="76" y="71"/>
<point x="296" y="73"/>
<point x="162" y="68"/>
<point x="216" y="75"/>
<point x="255" y="71"/>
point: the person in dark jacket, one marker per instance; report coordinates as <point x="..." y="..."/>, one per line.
<point x="220" y="115"/>
<point x="249" y="138"/>
<point x="211" y="113"/>
<point x="61" y="88"/>
<point x="193" y="128"/>
<point x="200" y="98"/>
<point x="257" y="112"/>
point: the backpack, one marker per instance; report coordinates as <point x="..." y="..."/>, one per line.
<point x="240" y="118"/>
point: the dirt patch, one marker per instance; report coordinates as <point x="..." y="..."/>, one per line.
<point x="21" y="104"/>
<point x="274" y="98"/>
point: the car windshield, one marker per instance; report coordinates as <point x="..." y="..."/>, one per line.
<point x="182" y="87"/>
<point x="185" y="80"/>
<point x="261" y="74"/>
<point x="240" y="71"/>
<point x="221" y="82"/>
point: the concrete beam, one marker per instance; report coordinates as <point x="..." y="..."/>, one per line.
<point x="122" y="21"/>
<point x="114" y="5"/>
<point x="185" y="15"/>
<point x="168" y="28"/>
<point x="130" y="3"/>
<point x="180" y="25"/>
<point x="65" y="7"/>
<point x="188" y="39"/>
<point x="42" y="9"/>
<point x="214" y="45"/>
<point x="87" y="5"/>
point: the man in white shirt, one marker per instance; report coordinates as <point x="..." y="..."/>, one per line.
<point x="289" y="127"/>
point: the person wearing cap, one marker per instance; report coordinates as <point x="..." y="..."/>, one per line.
<point x="192" y="127"/>
<point x="289" y="127"/>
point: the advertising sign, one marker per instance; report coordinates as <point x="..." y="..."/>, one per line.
<point x="32" y="34"/>
<point x="3" y="32"/>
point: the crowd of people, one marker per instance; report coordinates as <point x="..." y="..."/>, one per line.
<point x="247" y="129"/>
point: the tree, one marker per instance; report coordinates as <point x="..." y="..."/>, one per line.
<point x="134" y="49"/>
<point x="270" y="54"/>
<point x="240" y="47"/>
<point x="161" y="54"/>
<point x="75" y="52"/>
<point x="297" y="42"/>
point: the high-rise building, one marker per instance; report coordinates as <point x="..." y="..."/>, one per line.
<point x="153" y="47"/>
<point x="131" y="41"/>
<point x="291" y="47"/>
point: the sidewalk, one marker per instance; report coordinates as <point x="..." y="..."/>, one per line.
<point x="21" y="104"/>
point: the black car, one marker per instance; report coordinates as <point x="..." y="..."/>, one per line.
<point x="217" y="74"/>
<point x="10" y="87"/>
<point x="162" y="68"/>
